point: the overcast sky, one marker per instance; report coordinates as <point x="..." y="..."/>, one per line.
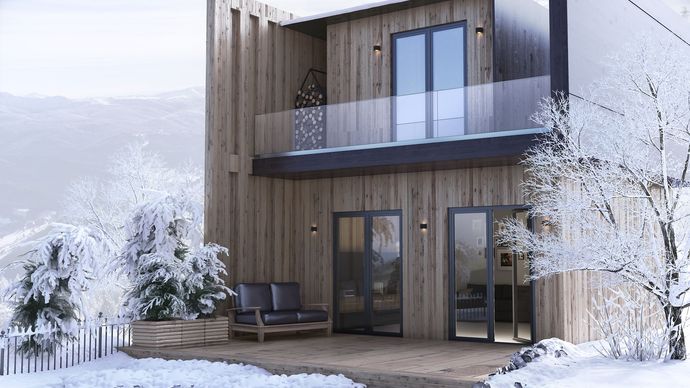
<point x="82" y="48"/>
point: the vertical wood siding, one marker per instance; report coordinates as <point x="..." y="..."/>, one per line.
<point x="253" y="67"/>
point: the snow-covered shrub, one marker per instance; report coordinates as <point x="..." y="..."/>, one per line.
<point x="204" y="282"/>
<point x="57" y="274"/>
<point x="631" y="325"/>
<point x="173" y="275"/>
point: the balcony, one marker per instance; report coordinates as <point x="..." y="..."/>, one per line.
<point x="475" y="125"/>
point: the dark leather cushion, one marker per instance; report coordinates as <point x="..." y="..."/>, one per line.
<point x="253" y="295"/>
<point x="312" y="316"/>
<point x="246" y="318"/>
<point x="285" y="296"/>
<point x="269" y="318"/>
<point x="279" y="317"/>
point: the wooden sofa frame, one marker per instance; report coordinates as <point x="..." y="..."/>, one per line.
<point x="260" y="328"/>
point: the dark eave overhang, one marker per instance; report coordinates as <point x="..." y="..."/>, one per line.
<point x="316" y="25"/>
<point x="480" y="152"/>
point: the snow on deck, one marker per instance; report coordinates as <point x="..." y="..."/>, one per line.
<point x="121" y="370"/>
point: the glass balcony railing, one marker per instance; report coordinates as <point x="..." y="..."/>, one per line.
<point x="495" y="109"/>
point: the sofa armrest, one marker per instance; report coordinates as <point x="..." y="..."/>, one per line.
<point x="257" y="314"/>
<point x="323" y="306"/>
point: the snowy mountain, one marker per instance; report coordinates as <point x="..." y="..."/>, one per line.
<point x="46" y="143"/>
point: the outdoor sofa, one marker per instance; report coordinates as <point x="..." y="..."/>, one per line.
<point x="276" y="307"/>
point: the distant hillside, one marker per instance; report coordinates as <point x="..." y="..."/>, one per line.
<point x="48" y="142"/>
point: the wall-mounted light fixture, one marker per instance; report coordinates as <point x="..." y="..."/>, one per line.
<point x="377" y="48"/>
<point x="314" y="229"/>
<point x="423" y="226"/>
<point x="479" y="30"/>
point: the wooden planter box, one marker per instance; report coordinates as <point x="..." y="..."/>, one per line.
<point x="179" y="333"/>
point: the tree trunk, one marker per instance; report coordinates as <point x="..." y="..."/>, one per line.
<point x="676" y="340"/>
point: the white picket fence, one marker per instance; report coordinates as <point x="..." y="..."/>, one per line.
<point x="96" y="339"/>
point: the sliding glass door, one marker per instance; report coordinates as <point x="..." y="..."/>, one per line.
<point x="429" y="82"/>
<point x="368" y="272"/>
<point x="491" y="295"/>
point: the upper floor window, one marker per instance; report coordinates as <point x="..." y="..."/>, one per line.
<point x="428" y="82"/>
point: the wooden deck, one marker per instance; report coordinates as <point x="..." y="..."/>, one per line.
<point x="375" y="361"/>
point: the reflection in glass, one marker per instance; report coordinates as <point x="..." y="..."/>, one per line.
<point x="410" y="65"/>
<point x="350" y="272"/>
<point x="448" y="60"/>
<point x="385" y="274"/>
<point x="449" y="82"/>
<point x="410" y="85"/>
<point x="513" y="290"/>
<point x="471" y="303"/>
<point x="430" y="99"/>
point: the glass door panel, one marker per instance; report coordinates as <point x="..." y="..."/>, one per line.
<point x="472" y="293"/>
<point x="368" y="272"/>
<point x="386" y="261"/>
<point x="350" y="262"/>
<point x="449" y="82"/>
<point x="513" y="287"/>
<point x="410" y="87"/>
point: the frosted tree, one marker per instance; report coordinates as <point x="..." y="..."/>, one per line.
<point x="173" y="274"/>
<point x="610" y="180"/>
<point x="133" y="176"/>
<point x="57" y="274"/>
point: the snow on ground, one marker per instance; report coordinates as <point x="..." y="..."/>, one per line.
<point x="119" y="370"/>
<point x="584" y="366"/>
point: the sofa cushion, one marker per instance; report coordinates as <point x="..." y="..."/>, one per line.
<point x="269" y="318"/>
<point x="246" y="318"/>
<point x="279" y="317"/>
<point x="312" y="316"/>
<point x="253" y="295"/>
<point x="285" y="296"/>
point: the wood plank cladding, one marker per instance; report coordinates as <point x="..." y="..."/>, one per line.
<point x="254" y="66"/>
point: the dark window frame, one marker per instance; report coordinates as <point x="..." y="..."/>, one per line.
<point x="428" y="33"/>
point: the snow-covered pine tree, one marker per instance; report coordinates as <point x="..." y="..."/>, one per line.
<point x="204" y="283"/>
<point x="154" y="260"/>
<point x="50" y="294"/>
<point x="173" y="275"/>
<point x="611" y="179"/>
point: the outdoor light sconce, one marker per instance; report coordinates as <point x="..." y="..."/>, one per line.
<point x="479" y="30"/>
<point x="314" y="229"/>
<point x="377" y="48"/>
<point x="423" y="226"/>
